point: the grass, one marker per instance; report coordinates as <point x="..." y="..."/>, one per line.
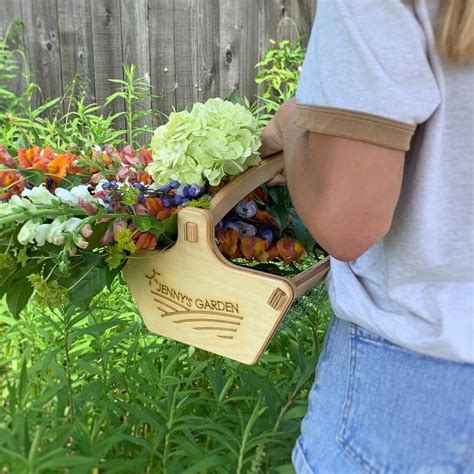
<point x="94" y="391"/>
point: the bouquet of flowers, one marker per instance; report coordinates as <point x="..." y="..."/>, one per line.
<point x="69" y="221"/>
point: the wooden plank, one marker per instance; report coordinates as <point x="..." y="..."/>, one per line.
<point x="296" y="20"/>
<point x="229" y="46"/>
<point x="162" y="55"/>
<point x="269" y="14"/>
<point x="136" y="46"/>
<point x="42" y="45"/>
<point x="249" y="49"/>
<point x="11" y="15"/>
<point x="207" y="59"/>
<point x="75" y="34"/>
<point x="185" y="49"/>
<point x="107" y="44"/>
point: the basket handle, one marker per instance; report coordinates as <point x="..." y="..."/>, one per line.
<point x="231" y="194"/>
<point x="304" y="281"/>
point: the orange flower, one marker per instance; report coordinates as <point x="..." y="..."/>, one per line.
<point x="163" y="214"/>
<point x="61" y="165"/>
<point x="255" y="248"/>
<point x="106" y="159"/>
<point x="146" y="241"/>
<point x="144" y="178"/>
<point x="10" y="183"/>
<point x="229" y="243"/>
<point x="264" y="216"/>
<point x="290" y="250"/>
<point x="35" y="158"/>
<point x="154" y="205"/>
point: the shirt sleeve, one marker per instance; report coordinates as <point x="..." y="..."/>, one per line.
<point x="366" y="75"/>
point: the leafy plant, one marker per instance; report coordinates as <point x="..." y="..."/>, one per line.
<point x="94" y="389"/>
<point x="279" y="73"/>
<point x="70" y="122"/>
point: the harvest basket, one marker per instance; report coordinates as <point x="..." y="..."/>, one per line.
<point x="194" y="295"/>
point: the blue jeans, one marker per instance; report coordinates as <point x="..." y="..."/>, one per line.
<point x="379" y="408"/>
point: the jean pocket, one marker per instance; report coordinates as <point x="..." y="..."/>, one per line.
<point x="405" y="412"/>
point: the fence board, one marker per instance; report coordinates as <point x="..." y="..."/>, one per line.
<point x="294" y="24"/>
<point x="42" y="45"/>
<point x="75" y="34"/>
<point x="189" y="49"/>
<point x="162" y="54"/>
<point x="207" y="58"/>
<point x="107" y="44"/>
<point x="136" y="45"/>
<point x="229" y="46"/>
<point x="249" y="47"/>
<point x="11" y="13"/>
<point x="185" y="47"/>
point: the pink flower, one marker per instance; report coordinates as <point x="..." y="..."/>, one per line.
<point x="123" y="172"/>
<point x="5" y="157"/>
<point x="86" y="231"/>
<point x="108" y="237"/>
<point x="82" y="244"/>
<point x="95" y="178"/>
<point x="127" y="156"/>
<point x="144" y="156"/>
<point x="141" y="210"/>
<point x="119" y="226"/>
<point x="87" y="206"/>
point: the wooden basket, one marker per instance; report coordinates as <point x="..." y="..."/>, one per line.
<point x="192" y="294"/>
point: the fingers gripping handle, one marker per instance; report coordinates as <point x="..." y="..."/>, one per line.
<point x="231" y="194"/>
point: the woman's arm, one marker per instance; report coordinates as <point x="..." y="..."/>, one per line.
<point x="345" y="191"/>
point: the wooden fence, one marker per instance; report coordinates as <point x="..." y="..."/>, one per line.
<point x="188" y="49"/>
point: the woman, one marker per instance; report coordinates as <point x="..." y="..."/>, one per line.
<point x="379" y="162"/>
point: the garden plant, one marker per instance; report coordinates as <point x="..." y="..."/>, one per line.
<point x="84" y="387"/>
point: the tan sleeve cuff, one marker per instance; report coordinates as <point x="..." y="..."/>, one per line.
<point x="355" y="125"/>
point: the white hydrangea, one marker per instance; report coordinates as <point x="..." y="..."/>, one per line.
<point x="216" y="139"/>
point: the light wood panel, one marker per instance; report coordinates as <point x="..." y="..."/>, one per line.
<point x="192" y="294"/>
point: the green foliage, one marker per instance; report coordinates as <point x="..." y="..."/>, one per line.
<point x="279" y="72"/>
<point x="94" y="389"/>
<point x="89" y="388"/>
<point x="71" y="121"/>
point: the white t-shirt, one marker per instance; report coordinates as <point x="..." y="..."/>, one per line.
<point x="372" y="73"/>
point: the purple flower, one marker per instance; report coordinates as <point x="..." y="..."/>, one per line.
<point x="166" y="202"/>
<point x="246" y="230"/>
<point x="267" y="234"/>
<point x="183" y="190"/>
<point x="165" y="188"/>
<point x="229" y="224"/>
<point x="174" y="184"/>
<point x="195" y="190"/>
<point x="177" y="199"/>
<point x="141" y="187"/>
<point x="246" y="209"/>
